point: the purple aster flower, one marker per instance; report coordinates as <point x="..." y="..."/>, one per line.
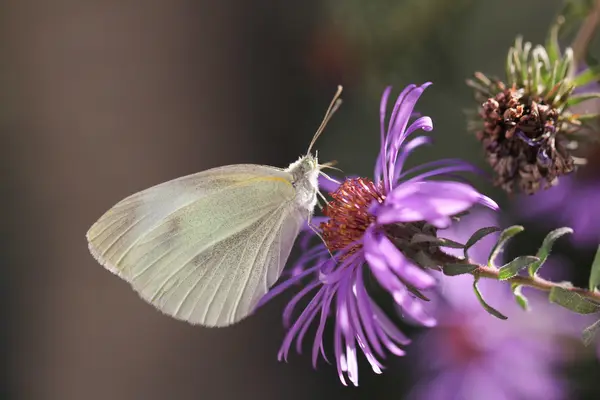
<point x="472" y="355"/>
<point x="572" y="203"/>
<point x="370" y="230"/>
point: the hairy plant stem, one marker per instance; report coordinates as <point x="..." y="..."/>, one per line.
<point x="536" y="282"/>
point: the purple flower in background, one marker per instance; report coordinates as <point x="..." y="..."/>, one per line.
<point x="368" y="228"/>
<point x="573" y="203"/>
<point x="472" y="355"/>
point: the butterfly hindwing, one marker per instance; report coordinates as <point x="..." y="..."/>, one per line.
<point x="206" y="247"/>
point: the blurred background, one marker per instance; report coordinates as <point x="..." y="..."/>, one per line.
<point x="101" y="99"/>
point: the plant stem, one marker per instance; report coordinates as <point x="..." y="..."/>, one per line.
<point x="585" y="34"/>
<point x="535" y="282"/>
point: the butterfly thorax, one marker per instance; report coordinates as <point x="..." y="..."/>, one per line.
<point x="305" y="178"/>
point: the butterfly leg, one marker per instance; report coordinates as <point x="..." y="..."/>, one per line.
<point x="316" y="231"/>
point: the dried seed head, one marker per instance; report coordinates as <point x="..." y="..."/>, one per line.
<point x="522" y="141"/>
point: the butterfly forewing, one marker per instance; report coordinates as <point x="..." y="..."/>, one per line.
<point x="206" y="247"/>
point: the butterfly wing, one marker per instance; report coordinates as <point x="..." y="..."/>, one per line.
<point x="206" y="247"/>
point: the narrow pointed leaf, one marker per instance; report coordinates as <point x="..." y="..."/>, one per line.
<point x="574" y="12"/>
<point x="566" y="65"/>
<point x="546" y="247"/>
<point x="590" y="333"/>
<point x="451" y="244"/>
<point x="459" y="269"/>
<point x="505" y="236"/>
<point x="425" y="261"/>
<point x="511" y="269"/>
<point x="595" y="272"/>
<point x="591" y="74"/>
<point x="485" y="305"/>
<point x="421" y="238"/>
<point x="520" y="297"/>
<point x="478" y="235"/>
<point x="511" y="75"/>
<point x="572" y="301"/>
<point x="580" y="98"/>
<point x="588" y="117"/>
<point x="552" y="45"/>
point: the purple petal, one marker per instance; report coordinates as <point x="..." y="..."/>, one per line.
<point x="380" y="164"/>
<point x="388" y="327"/>
<point x="410" y="273"/>
<point x="318" y="343"/>
<point x="363" y="342"/>
<point x="327" y="185"/>
<point x="431" y="200"/>
<point x="343" y="320"/>
<point x="302" y="319"/>
<point x="339" y="356"/>
<point x="441" y="167"/>
<point x="289" y="309"/>
<point x="364" y="308"/>
<point x="397" y="132"/>
<point x="304" y="329"/>
<point x="407" y="149"/>
<point x="285" y="285"/>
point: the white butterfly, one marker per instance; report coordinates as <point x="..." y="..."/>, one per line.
<point x="206" y="247"/>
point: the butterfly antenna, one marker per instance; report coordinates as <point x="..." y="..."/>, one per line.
<point x="333" y="106"/>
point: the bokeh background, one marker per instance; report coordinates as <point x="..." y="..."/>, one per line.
<point x="102" y="98"/>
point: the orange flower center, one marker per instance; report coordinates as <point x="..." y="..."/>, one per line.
<point x="348" y="213"/>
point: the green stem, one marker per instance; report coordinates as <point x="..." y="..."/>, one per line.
<point x="585" y="34"/>
<point x="535" y="282"/>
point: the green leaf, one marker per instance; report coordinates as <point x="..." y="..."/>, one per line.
<point x="544" y="250"/>
<point x="574" y="12"/>
<point x="511" y="269"/>
<point x="505" y="236"/>
<point x="595" y="272"/>
<point x="566" y="65"/>
<point x="421" y="238"/>
<point x="451" y="244"/>
<point x="425" y="261"/>
<point x="541" y="55"/>
<point x="525" y="64"/>
<point x="511" y="74"/>
<point x="552" y="45"/>
<point x="591" y="74"/>
<point x="478" y="235"/>
<point x="580" y="98"/>
<point x="459" y="269"/>
<point x="588" y="117"/>
<point x="519" y="296"/>
<point x="590" y="332"/>
<point x="485" y="305"/>
<point x="572" y="301"/>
